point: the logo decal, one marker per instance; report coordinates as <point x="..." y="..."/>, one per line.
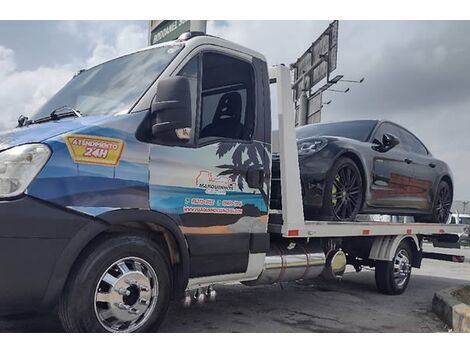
<point x="94" y="150"/>
<point x="214" y="184"/>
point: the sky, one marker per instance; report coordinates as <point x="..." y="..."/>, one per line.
<point x="415" y="72"/>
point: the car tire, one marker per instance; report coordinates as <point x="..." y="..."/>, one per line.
<point x="392" y="277"/>
<point x="121" y="278"/>
<point x="351" y="189"/>
<point x="441" y="205"/>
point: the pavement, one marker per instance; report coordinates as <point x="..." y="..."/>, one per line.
<point x="351" y="305"/>
<point x="451" y="309"/>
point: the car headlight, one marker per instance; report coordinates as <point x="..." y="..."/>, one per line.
<point x="19" y="166"/>
<point x="311" y="146"/>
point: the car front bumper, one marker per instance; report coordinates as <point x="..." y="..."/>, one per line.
<point x="33" y="235"/>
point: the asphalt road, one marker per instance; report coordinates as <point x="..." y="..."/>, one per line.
<point x="352" y="305"/>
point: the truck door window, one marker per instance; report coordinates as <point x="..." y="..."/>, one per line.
<point x="228" y="97"/>
<point x="191" y="71"/>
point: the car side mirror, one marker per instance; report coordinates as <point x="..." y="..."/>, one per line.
<point x="171" y="110"/>
<point x="389" y="141"/>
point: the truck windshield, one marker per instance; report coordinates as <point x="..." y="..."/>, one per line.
<point x="114" y="86"/>
<point x="359" y="130"/>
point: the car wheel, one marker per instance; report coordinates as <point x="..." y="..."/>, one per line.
<point x="441" y="206"/>
<point x="121" y="285"/>
<point x="393" y="277"/>
<point x="343" y="192"/>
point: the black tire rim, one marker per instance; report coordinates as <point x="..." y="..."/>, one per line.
<point x="346" y="192"/>
<point x="443" y="204"/>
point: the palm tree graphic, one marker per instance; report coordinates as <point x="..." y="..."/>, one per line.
<point x="257" y="157"/>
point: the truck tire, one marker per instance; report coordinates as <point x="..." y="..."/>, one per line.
<point x="392" y="277"/>
<point x="120" y="285"/>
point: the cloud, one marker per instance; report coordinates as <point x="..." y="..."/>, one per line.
<point x="129" y="39"/>
<point x="24" y="91"/>
<point x="7" y="61"/>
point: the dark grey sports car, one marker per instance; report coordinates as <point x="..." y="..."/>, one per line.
<point x="368" y="166"/>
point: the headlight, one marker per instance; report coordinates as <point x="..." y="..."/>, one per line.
<point x="312" y="146"/>
<point x="19" y="166"/>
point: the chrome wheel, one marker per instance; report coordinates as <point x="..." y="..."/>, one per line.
<point x="401" y="268"/>
<point x="126" y="295"/>
<point x="346" y="193"/>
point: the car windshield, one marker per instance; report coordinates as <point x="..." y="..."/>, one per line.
<point x="358" y="130"/>
<point x="114" y="86"/>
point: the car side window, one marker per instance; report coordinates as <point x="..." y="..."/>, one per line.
<point x="413" y="144"/>
<point x="228" y="98"/>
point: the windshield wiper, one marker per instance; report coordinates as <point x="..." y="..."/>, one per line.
<point x="56" y="114"/>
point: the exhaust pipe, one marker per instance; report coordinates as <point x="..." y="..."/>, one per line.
<point x="290" y="263"/>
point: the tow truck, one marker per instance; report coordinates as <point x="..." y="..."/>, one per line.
<point x="146" y="179"/>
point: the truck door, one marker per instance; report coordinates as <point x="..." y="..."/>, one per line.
<point x="216" y="185"/>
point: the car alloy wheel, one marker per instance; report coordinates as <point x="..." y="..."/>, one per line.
<point x="346" y="192"/>
<point x="443" y="204"/>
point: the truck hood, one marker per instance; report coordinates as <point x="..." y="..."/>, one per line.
<point x="41" y="132"/>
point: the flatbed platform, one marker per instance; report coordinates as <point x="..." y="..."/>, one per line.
<point x="354" y="229"/>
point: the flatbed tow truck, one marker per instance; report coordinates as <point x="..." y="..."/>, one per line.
<point x="163" y="196"/>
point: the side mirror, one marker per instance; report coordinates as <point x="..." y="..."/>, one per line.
<point x="389" y="141"/>
<point x="171" y="110"/>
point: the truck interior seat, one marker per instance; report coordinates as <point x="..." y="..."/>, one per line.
<point x="227" y="118"/>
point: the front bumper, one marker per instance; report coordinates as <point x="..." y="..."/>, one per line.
<point x="33" y="235"/>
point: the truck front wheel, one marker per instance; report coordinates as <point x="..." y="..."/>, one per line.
<point x="392" y="277"/>
<point x="120" y="285"/>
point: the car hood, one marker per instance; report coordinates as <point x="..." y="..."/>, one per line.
<point x="44" y="131"/>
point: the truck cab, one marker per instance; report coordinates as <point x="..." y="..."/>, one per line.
<point x="172" y="141"/>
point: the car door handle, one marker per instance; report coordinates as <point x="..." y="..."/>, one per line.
<point x="432" y="165"/>
<point x="408" y="161"/>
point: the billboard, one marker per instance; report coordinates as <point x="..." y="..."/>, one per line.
<point x="167" y="30"/>
<point x="317" y="62"/>
<point x="314" y="105"/>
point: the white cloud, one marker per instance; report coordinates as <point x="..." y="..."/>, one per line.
<point x="24" y="91"/>
<point x="130" y="38"/>
<point x="7" y="62"/>
<point x="279" y="41"/>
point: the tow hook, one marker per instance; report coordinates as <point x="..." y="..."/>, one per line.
<point x="200" y="296"/>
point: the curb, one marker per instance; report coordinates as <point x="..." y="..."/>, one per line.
<point x="452" y="311"/>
